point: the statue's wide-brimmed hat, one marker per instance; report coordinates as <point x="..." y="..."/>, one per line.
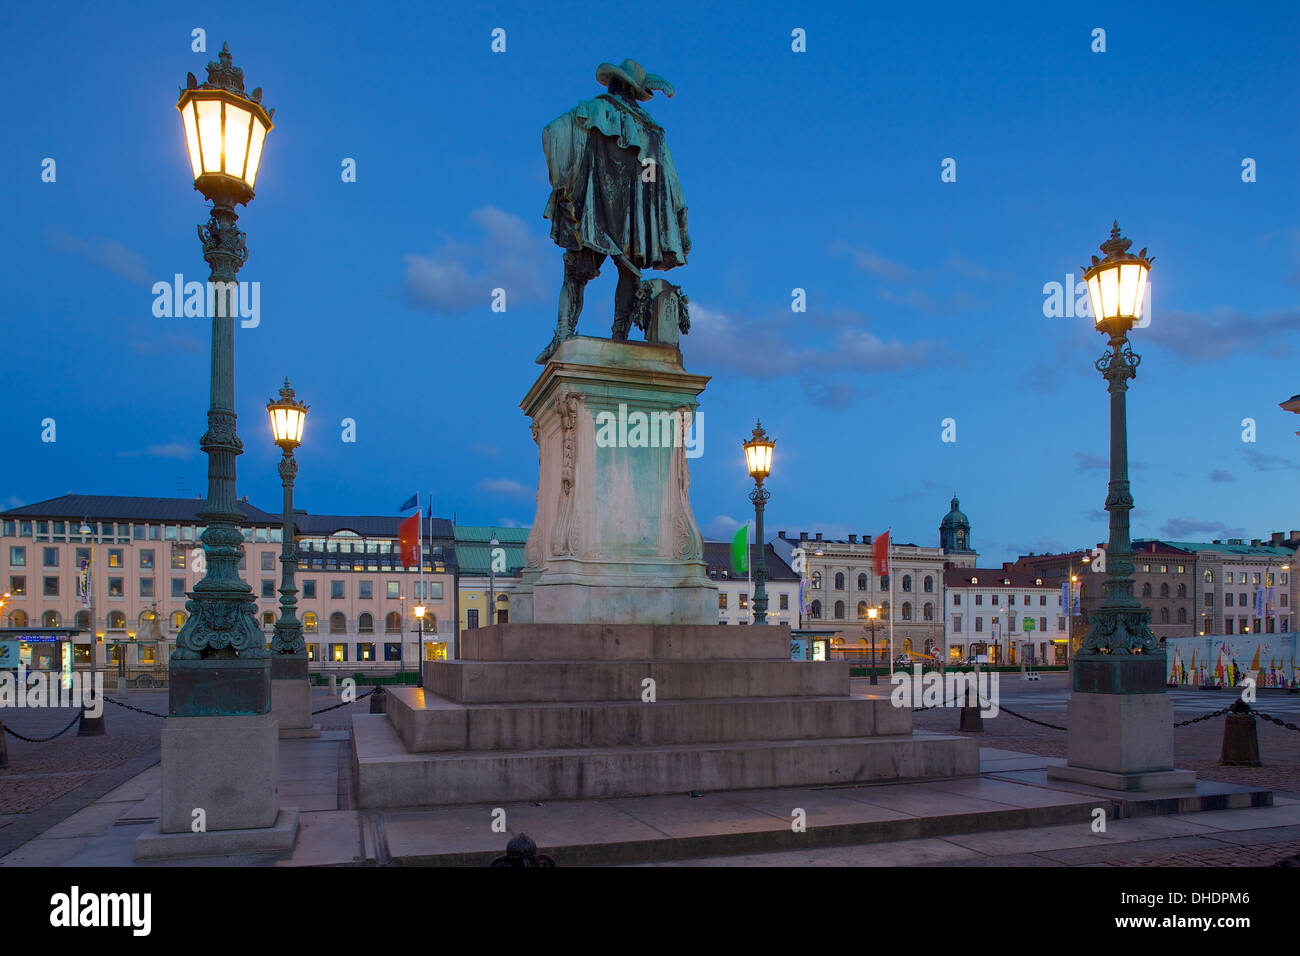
<point x="631" y="72"/>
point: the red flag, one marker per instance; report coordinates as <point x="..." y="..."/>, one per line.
<point x="408" y="540"/>
<point x="880" y="554"/>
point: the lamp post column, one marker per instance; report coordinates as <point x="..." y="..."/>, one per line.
<point x="288" y="629"/>
<point x="91" y="726"/>
<point x="222" y="621"/>
<point x="759" y="496"/>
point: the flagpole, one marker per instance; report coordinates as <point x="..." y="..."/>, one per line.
<point x="419" y="556"/>
<point x="889" y="563"/>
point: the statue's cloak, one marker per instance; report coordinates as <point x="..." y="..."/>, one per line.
<point x="600" y="198"/>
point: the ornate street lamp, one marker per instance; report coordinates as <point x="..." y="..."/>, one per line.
<point x="758" y="458"/>
<point x="1116" y="288"/>
<point x="225" y="132"/>
<point x="1119" y="671"/>
<point x="288" y="416"/>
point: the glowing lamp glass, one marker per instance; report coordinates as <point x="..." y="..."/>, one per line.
<point x="758" y="458"/>
<point x="224" y="135"/>
<point x="1117" y="291"/>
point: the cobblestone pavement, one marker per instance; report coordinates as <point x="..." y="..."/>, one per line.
<point x="1229" y="856"/>
<point x="1196" y="747"/>
<point x="40" y="773"/>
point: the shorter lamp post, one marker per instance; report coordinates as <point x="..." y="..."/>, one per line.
<point x="90" y="726"/>
<point x="871" y="615"/>
<point x="419" y="657"/>
<point x="492" y="578"/>
<point x="758" y="459"/>
<point x="288" y="416"/>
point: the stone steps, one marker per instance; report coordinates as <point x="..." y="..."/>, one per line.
<point x="651" y="642"/>
<point x="483" y="682"/>
<point x="388" y="775"/>
<point x="428" y="723"/>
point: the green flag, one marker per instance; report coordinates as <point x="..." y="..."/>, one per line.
<point x="740" y="550"/>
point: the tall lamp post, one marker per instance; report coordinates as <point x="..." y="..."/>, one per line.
<point x="288" y="416"/>
<point x="871" y="615"/>
<point x="220" y="730"/>
<point x="1120" y="717"/>
<point x="225" y="130"/>
<point x="758" y="458"/>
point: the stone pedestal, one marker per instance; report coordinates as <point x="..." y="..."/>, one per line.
<point x="291" y="697"/>
<point x="227" y="766"/>
<point x="220" y="755"/>
<point x="614" y="539"/>
<point x="1121" y="742"/>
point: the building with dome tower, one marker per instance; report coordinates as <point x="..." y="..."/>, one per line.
<point x="954" y="537"/>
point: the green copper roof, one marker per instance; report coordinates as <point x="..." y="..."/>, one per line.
<point x="1259" y="550"/>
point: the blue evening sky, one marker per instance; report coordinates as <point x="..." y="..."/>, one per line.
<point x="816" y="170"/>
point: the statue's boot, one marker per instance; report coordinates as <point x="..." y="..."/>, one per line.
<point x="547" y="352"/>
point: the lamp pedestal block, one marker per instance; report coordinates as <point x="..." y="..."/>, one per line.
<point x="614" y="540"/>
<point x="1121" y="741"/>
<point x="291" y="697"/>
<point x="220" y="756"/>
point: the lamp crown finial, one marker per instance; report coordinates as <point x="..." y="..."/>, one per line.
<point x="223" y="74"/>
<point x="1116" y="246"/>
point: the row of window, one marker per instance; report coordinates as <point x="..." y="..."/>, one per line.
<point x="927" y="585"/>
<point x="123" y="531"/>
<point x="979" y="623"/>
<point x="1256" y="577"/>
<point x="815" y="611"/>
<point x="783" y="601"/>
<point x="1244" y="625"/>
<point x="1011" y="600"/>
<point x="432" y="590"/>
<point x="116" y="621"/>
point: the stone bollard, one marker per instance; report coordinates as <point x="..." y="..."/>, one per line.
<point x="4" y="748"/>
<point x="971" y="719"/>
<point x="1240" y="738"/>
<point x="379" y="701"/>
<point x="92" y="726"/>
<point x="334" y="685"/>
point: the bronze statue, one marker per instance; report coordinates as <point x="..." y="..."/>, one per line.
<point x="614" y="192"/>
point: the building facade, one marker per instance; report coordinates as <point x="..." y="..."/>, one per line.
<point x="842" y="584"/>
<point x="1164" y="578"/>
<point x="1004" y="615"/>
<point x="354" y="596"/>
<point x="479" y="586"/>
<point x="734" y="598"/>
<point x="1243" y="587"/>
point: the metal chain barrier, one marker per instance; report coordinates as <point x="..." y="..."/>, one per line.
<point x="1008" y="710"/>
<point x="136" y="709"/>
<point x="346" y="702"/>
<point x="40" y="740"/>
<point x="1194" y="720"/>
<point x="985" y="704"/>
<point x="1281" y="723"/>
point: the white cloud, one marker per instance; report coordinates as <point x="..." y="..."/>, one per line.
<point x="505" y="486"/>
<point x="461" y="276"/>
<point x="722" y="528"/>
